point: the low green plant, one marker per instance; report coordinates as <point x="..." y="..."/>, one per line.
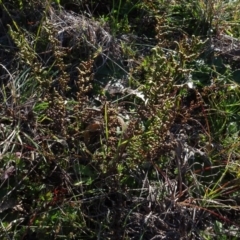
<point x="80" y="162"/>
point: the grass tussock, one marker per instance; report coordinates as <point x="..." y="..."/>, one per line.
<point x="119" y="119"/>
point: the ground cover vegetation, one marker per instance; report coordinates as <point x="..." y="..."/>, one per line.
<point x="119" y="119"/>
